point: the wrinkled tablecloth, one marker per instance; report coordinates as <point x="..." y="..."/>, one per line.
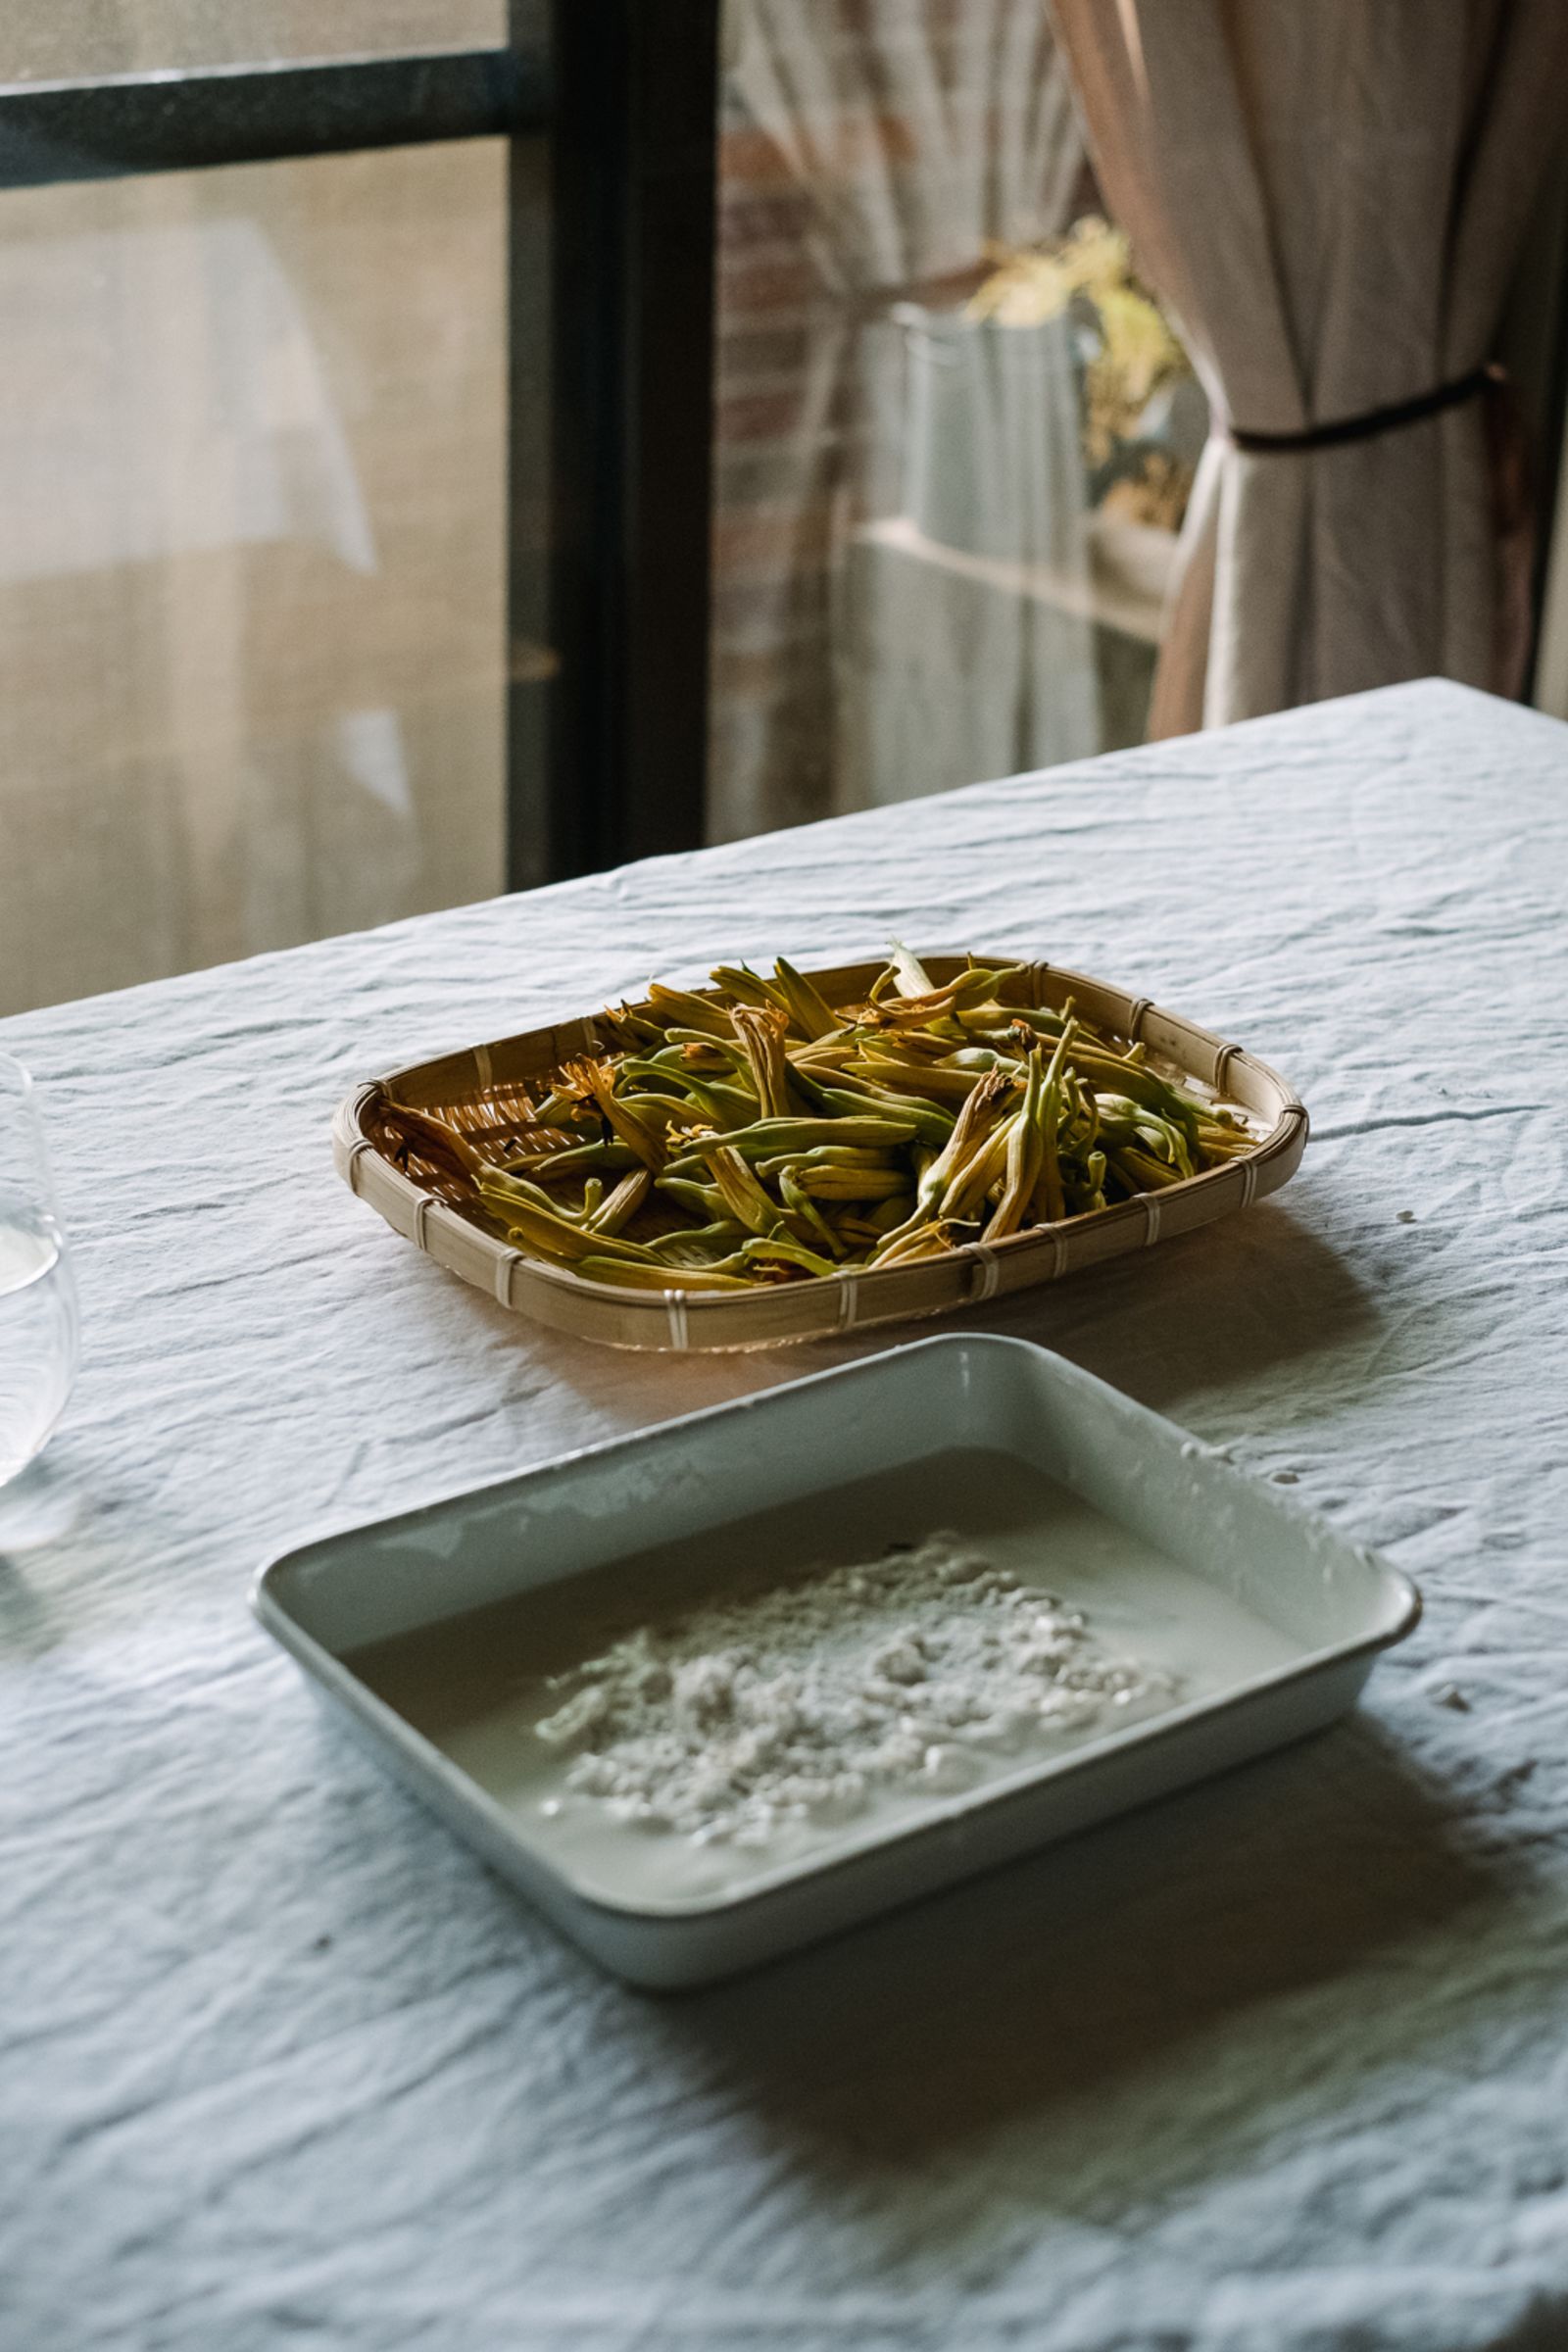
<point x="1277" y="2066"/>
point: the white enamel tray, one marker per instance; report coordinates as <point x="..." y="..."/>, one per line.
<point x="1329" y="1606"/>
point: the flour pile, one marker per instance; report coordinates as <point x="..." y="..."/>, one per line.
<point x="903" y="1673"/>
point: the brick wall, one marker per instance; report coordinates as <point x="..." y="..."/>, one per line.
<point x="772" y="497"/>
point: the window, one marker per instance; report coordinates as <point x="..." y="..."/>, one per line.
<point x="955" y="435"/>
<point x="253" y="449"/>
<point x="79" y="40"/>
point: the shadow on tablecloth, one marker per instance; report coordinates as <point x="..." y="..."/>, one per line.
<point x="1240" y="1301"/>
<point x="1210" y="1964"/>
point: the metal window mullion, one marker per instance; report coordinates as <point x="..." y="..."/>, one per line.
<point x="52" y="132"/>
<point x="633" y="190"/>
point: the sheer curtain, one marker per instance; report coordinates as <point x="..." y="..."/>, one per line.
<point x="1332" y="199"/>
<point x="921" y="135"/>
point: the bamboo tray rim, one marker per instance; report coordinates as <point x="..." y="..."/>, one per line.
<point x="865" y="1295"/>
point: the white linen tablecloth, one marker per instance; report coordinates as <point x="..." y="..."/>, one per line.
<point x="1277" y="2066"/>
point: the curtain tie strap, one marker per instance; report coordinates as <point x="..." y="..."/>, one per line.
<point x="1372" y="422"/>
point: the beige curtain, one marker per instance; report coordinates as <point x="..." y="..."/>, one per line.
<point x="1331" y="195"/>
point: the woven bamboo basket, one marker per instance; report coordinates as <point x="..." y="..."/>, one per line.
<point x="481" y="1091"/>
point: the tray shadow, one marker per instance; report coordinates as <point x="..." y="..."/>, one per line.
<point x="1239" y="1302"/>
<point x="1045" y="1989"/>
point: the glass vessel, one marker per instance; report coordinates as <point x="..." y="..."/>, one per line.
<point x="38" y="1291"/>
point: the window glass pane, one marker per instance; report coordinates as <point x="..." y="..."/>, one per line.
<point x="955" y="435"/>
<point x="76" y="41"/>
<point x="252" y="558"/>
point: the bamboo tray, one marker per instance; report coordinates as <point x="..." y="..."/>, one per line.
<point x="479" y="1091"/>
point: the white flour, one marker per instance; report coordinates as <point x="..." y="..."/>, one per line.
<point x="902" y="1673"/>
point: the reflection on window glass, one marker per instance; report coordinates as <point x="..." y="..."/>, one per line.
<point x="77" y="40"/>
<point x="252" y="558"/>
<point x="955" y="435"/>
<point x="1143" y="418"/>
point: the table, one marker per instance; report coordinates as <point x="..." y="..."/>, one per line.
<point x="1279" y="2064"/>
